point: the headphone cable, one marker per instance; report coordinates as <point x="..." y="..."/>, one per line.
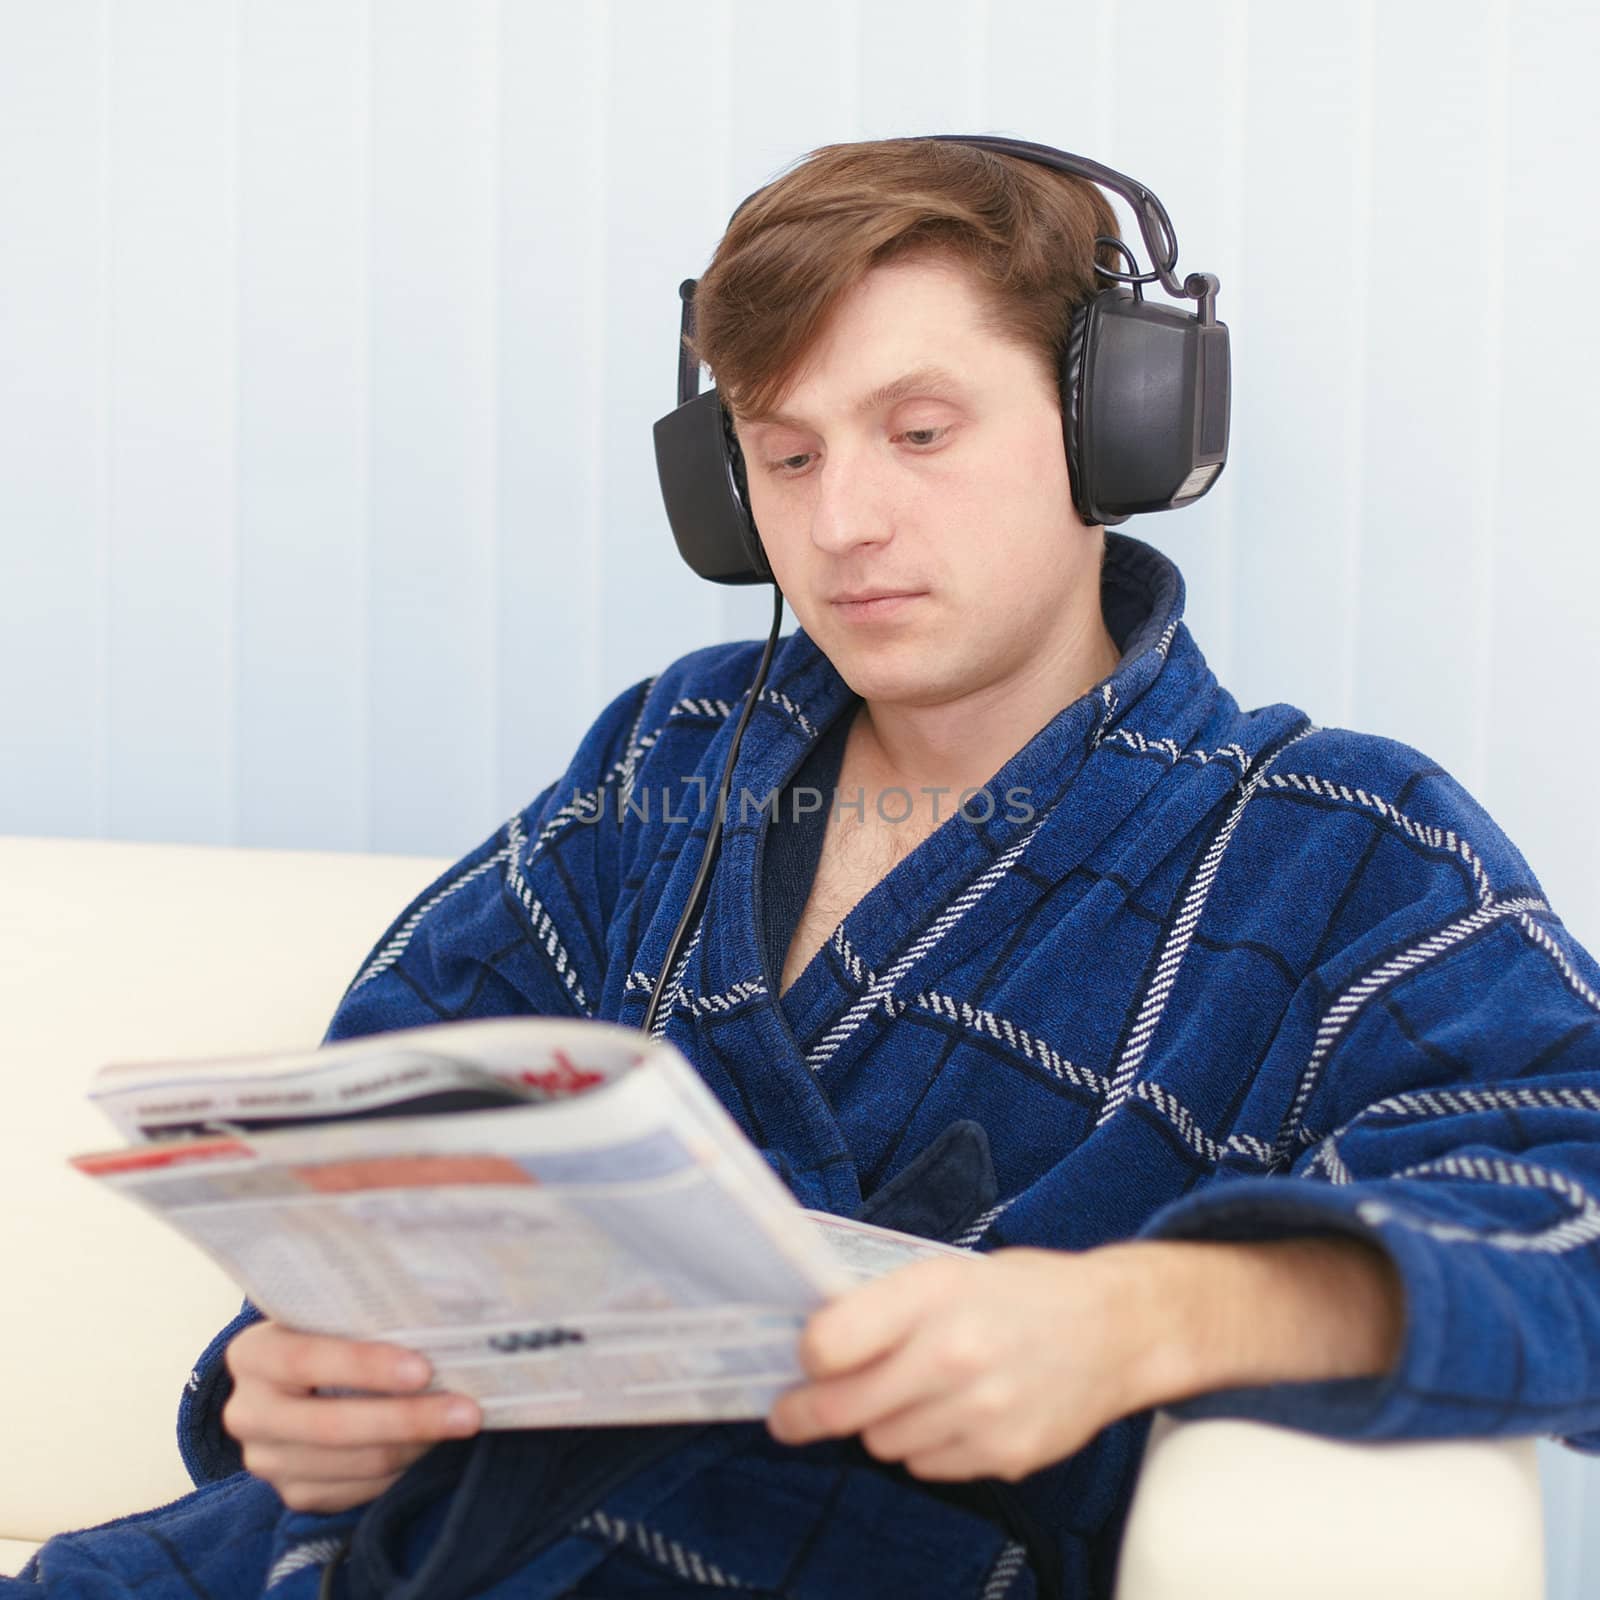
<point x="714" y="836"/>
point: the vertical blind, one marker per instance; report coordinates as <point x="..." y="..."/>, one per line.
<point x="331" y="334"/>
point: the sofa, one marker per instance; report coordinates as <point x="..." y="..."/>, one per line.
<point x="113" y="951"/>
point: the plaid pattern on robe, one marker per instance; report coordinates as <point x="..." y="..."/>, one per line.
<point x="1223" y="975"/>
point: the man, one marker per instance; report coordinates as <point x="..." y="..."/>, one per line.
<point x="1285" y="1077"/>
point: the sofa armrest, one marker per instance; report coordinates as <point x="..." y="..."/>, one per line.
<point x="1244" y="1509"/>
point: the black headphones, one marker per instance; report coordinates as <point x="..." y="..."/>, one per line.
<point x="1144" y="395"/>
<point x="1144" y="415"/>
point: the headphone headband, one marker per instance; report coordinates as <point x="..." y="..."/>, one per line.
<point x="1160" y="239"/>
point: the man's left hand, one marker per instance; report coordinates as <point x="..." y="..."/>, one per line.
<point x="992" y="1367"/>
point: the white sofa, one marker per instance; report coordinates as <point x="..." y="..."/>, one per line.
<point x="131" y="951"/>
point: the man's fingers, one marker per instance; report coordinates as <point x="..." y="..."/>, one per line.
<point x="326" y="1452"/>
<point x="309" y="1495"/>
<point x="919" y="1429"/>
<point x="835" y="1407"/>
<point x="306" y="1361"/>
<point x="350" y="1423"/>
<point x="870" y="1320"/>
<point x="285" y="1463"/>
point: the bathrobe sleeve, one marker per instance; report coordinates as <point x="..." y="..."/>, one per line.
<point x="1443" y="1103"/>
<point x="517" y="927"/>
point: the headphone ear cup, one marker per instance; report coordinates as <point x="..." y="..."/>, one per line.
<point x="1080" y="413"/>
<point x="736" y="463"/>
<point x="706" y="493"/>
<point x="1071" y="381"/>
<point x="1148" y="425"/>
<point x="757" y="551"/>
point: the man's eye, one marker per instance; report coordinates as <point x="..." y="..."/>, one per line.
<point x="917" y="438"/>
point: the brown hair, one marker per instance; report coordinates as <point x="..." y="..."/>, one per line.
<point x="1027" y="232"/>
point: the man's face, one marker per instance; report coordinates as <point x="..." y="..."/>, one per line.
<point x="949" y="490"/>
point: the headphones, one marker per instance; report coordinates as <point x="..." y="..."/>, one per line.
<point x="1144" y="395"/>
<point x="1144" y="418"/>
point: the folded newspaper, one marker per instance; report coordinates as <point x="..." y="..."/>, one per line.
<point x="560" y="1215"/>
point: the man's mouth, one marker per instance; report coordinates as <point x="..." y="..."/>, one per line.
<point x="867" y="605"/>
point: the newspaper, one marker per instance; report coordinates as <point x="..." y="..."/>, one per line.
<point x="559" y="1215"/>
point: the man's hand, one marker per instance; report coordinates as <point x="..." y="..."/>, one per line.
<point x="327" y="1454"/>
<point x="1002" y="1364"/>
<point x="992" y="1367"/>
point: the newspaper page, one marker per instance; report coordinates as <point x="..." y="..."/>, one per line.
<point x="866" y="1251"/>
<point x="411" y="1072"/>
<point x="585" y="1237"/>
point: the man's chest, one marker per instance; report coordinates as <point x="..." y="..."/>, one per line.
<point x="858" y="851"/>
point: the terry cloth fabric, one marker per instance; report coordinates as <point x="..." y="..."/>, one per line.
<point x="794" y="844"/>
<point x="1220" y="974"/>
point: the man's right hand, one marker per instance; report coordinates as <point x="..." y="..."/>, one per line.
<point x="323" y="1453"/>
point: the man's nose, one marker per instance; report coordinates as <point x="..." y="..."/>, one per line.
<point x="850" y="507"/>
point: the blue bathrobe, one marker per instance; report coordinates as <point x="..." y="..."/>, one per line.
<point x="1183" y="972"/>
